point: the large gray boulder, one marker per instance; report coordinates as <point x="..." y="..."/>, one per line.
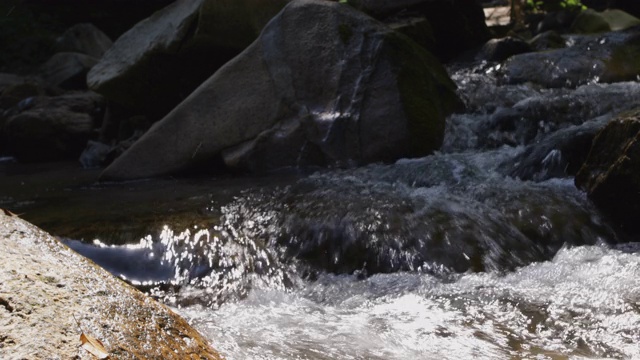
<point x="50" y="295"/>
<point x="322" y="76"/>
<point x="156" y="64"/>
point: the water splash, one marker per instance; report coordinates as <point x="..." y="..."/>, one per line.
<point x="585" y="303"/>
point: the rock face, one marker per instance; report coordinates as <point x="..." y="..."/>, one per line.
<point x="326" y="82"/>
<point x="52" y="128"/>
<point x="611" y="173"/>
<point x="610" y="57"/>
<point x="156" y="64"/>
<point x="46" y="287"/>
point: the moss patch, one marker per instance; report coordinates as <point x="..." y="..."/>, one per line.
<point x="426" y="91"/>
<point x="624" y="64"/>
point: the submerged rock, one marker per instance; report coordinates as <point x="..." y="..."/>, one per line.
<point x="46" y="288"/>
<point x="611" y="173"/>
<point x="322" y="79"/>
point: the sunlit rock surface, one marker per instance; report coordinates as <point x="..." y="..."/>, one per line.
<point x="323" y="79"/>
<point x="44" y="286"/>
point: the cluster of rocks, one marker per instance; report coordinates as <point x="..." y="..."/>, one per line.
<point x="349" y="91"/>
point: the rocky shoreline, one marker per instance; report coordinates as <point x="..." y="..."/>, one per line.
<point x="45" y="287"/>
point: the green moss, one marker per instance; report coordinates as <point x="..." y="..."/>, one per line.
<point x="624" y="63"/>
<point x="345" y="32"/>
<point x="426" y="91"/>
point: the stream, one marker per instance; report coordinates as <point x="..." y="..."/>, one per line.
<point x="484" y="250"/>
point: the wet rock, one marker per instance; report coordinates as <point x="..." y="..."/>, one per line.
<point x="84" y="39"/>
<point x="558" y="155"/>
<point x="362" y="93"/>
<point x="611" y="173"/>
<point x="46" y="287"/>
<point x="502" y="49"/>
<point x="156" y="64"/>
<point x="457" y="25"/>
<point x="52" y="128"/>
<point x="609" y="57"/>
<point x="68" y="70"/>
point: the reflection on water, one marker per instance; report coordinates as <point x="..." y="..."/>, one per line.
<point x="585" y="303"/>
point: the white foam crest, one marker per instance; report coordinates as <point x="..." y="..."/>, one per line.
<point x="585" y="303"/>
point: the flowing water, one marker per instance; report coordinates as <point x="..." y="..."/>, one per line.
<point x="450" y="256"/>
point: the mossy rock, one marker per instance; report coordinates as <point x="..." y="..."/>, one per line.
<point x="590" y="22"/>
<point x="427" y="93"/>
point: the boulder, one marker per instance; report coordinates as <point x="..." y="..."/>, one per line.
<point x="558" y="155"/>
<point x="620" y="20"/>
<point x="68" y="70"/>
<point x="610" y="57"/>
<point x="326" y="76"/>
<point x="611" y="173"/>
<point x="51" y="295"/>
<point x="156" y="64"/>
<point x="590" y="22"/>
<point x="457" y="25"/>
<point x="502" y="49"/>
<point x="52" y="128"/>
<point x="84" y="39"/>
